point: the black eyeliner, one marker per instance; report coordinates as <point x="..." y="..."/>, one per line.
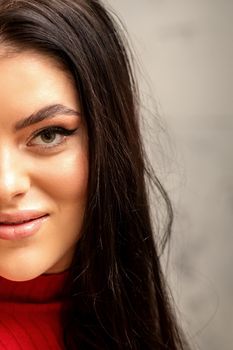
<point x="60" y="130"/>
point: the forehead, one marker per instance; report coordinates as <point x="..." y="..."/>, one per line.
<point x="29" y="80"/>
<point x="8" y="51"/>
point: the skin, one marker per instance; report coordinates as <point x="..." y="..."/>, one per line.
<point x="51" y="179"/>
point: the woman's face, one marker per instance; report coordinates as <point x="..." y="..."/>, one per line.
<point x="43" y="172"/>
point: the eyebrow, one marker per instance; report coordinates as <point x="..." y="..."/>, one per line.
<point x="46" y="112"/>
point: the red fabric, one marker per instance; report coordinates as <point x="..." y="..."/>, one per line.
<point x="30" y="313"/>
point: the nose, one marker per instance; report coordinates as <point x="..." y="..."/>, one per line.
<point x="14" y="180"/>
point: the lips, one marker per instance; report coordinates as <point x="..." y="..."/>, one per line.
<point x="20" y="216"/>
<point x="20" y="224"/>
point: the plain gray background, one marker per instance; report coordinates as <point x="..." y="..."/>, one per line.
<point x="185" y="49"/>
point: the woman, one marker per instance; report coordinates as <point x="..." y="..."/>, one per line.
<point x="79" y="265"/>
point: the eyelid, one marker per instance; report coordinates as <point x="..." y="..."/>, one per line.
<point x="65" y="132"/>
<point x="57" y="128"/>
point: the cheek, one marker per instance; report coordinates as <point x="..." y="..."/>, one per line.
<point x="64" y="177"/>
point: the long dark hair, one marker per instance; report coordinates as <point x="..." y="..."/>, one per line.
<point x="117" y="295"/>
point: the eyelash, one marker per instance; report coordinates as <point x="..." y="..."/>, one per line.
<point x="57" y="130"/>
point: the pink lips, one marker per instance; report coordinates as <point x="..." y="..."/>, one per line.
<point x="20" y="224"/>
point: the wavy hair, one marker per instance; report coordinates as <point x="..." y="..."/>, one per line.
<point x="116" y="293"/>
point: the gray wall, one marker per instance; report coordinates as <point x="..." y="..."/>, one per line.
<point x="186" y="51"/>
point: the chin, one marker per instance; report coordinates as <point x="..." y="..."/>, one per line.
<point x="20" y="276"/>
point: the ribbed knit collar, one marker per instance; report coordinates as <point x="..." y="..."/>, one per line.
<point x="42" y="289"/>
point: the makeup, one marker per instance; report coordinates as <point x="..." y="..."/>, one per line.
<point x="20" y="230"/>
<point x="44" y="167"/>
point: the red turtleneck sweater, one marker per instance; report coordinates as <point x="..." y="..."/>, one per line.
<point x="30" y="313"/>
